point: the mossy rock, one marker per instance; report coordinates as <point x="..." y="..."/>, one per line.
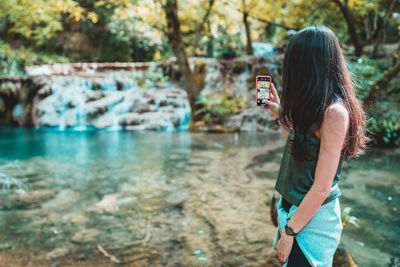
<point x="238" y="66"/>
<point x="259" y="70"/>
<point x="342" y="258"/>
<point x="200" y="74"/>
<point x="199" y="66"/>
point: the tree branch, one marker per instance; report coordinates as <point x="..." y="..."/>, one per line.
<point x="264" y="20"/>
<point x="272" y="23"/>
<point x="200" y="27"/>
<point x="381" y="85"/>
<point x="351" y="26"/>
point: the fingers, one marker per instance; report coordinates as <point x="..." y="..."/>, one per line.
<point x="273" y="98"/>
<point x="264" y="103"/>
<point x="274" y="93"/>
<point x="283" y="250"/>
<point x="267" y="102"/>
<point x="264" y="107"/>
<point x="281" y="257"/>
<point x="273" y="89"/>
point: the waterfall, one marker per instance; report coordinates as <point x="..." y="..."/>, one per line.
<point x="242" y="80"/>
<point x="113" y="101"/>
<point x="213" y="77"/>
<point x="263" y="49"/>
<point x="115" y="126"/>
<point x="81" y="97"/>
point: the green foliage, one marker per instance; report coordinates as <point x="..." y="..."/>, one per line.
<point x="132" y="38"/>
<point x="365" y="72"/>
<point x="39" y="20"/>
<point x="9" y="64"/>
<point x="304" y="13"/>
<point x="13" y="62"/>
<point x="228" y="46"/>
<point x="215" y="108"/>
<point x="147" y="79"/>
<point x="347" y="218"/>
<point x="113" y="50"/>
<point x="156" y="75"/>
<point x="126" y="30"/>
<point x="383" y="124"/>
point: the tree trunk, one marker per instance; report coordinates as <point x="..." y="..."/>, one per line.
<point x="64" y="34"/>
<point x="367" y="28"/>
<point x="174" y="35"/>
<point x="210" y="43"/>
<point x="382" y="30"/>
<point x="249" y="49"/>
<point x="200" y="27"/>
<point x="351" y="26"/>
<point x="6" y="28"/>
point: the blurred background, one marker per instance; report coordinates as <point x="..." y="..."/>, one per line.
<point x="130" y="136"/>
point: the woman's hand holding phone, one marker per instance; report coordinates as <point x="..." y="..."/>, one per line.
<point x="274" y="103"/>
<point x="274" y="106"/>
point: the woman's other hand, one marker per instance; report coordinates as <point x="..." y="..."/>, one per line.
<point x="274" y="103"/>
<point x="284" y="248"/>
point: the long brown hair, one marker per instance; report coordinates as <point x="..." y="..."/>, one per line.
<point x="314" y="70"/>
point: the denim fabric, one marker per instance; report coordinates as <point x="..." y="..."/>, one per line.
<point x="320" y="237"/>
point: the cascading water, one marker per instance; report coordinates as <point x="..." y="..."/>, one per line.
<point x="66" y="106"/>
<point x="213" y="77"/>
<point x="80" y="111"/>
<point x="263" y="49"/>
<point x="242" y="80"/>
<point x="115" y="126"/>
<point x="112" y="101"/>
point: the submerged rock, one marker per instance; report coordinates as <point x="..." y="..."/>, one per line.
<point x="177" y="198"/>
<point x="85" y="236"/>
<point x="342" y="258"/>
<point x="31" y="199"/>
<point x="56" y="253"/>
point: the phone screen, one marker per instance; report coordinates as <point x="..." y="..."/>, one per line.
<point x="263" y="87"/>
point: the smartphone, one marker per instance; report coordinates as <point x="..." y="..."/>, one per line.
<point x="263" y="91"/>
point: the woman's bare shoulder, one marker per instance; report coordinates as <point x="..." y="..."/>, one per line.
<point x="336" y="111"/>
<point x="336" y="119"/>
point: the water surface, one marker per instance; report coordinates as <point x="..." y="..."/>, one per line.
<point x="170" y="198"/>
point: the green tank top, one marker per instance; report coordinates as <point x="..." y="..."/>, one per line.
<point x="295" y="177"/>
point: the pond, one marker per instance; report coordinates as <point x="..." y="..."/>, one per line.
<point x="99" y="198"/>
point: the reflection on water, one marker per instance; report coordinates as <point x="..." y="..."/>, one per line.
<point x="170" y="198"/>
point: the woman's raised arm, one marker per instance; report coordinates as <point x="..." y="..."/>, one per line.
<point x="274" y="106"/>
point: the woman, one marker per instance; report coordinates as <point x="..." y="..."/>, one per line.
<point x="322" y="122"/>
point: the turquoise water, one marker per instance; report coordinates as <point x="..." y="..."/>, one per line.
<point x="79" y="189"/>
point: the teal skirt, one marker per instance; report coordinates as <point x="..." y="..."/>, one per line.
<point x="320" y="237"/>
